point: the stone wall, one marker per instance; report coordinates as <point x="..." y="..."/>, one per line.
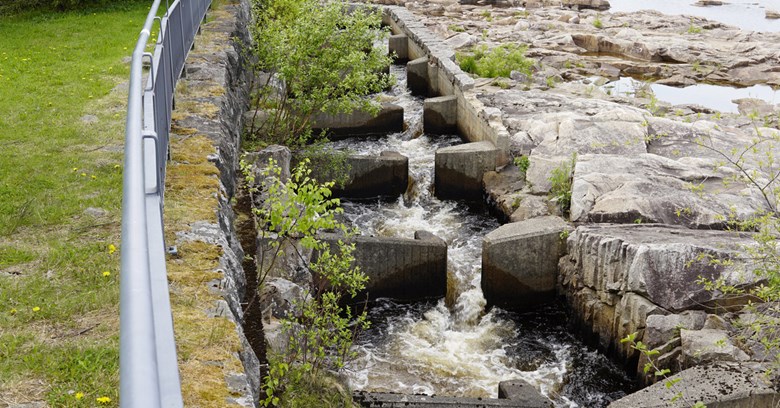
<point x="211" y="98"/>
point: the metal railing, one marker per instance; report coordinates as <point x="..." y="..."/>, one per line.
<point x="149" y="373"/>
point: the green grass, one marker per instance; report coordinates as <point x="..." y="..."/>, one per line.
<point x="496" y="62"/>
<point x="58" y="276"/>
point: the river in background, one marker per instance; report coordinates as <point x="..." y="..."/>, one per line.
<point x="716" y="97"/>
<point x="745" y="14"/>
<point x="462" y="349"/>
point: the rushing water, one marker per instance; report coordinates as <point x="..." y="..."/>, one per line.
<point x="745" y="14"/>
<point x="461" y="349"/>
<point x="712" y="96"/>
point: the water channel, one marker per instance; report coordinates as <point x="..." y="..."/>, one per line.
<point x="461" y="348"/>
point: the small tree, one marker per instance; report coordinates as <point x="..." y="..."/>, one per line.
<point x="318" y="331"/>
<point x="321" y="57"/>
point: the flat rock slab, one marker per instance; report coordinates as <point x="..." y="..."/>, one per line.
<point x="520" y="261"/>
<point x="722" y="385"/>
<point x="388" y="400"/>
<point x="653" y="188"/>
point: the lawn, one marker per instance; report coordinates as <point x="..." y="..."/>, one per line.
<point x="62" y="112"/>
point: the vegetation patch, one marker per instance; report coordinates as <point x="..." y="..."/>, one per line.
<point x="496" y="62"/>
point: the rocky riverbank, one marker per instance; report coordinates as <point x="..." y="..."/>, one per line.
<point x="649" y="177"/>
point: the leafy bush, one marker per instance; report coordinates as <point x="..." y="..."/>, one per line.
<point x="497" y="62"/>
<point x="318" y="331"/>
<point x="561" y="178"/>
<point x="325" y="59"/>
<point x="523" y="163"/>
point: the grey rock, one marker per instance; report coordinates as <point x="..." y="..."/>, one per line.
<point x="719" y="385"/>
<point x="709" y="346"/>
<point x="658" y="262"/>
<point x="280" y="297"/>
<point x="461" y="40"/>
<point x="95" y="212"/>
<point x="661" y="329"/>
<point x="652" y="188"/>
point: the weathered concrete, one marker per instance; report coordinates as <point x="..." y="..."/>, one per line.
<point x="386" y="175"/>
<point x="400" y="268"/>
<point x="388" y="400"/>
<point x="440" y="115"/>
<point x="717" y="386"/>
<point x="417" y="76"/>
<point x="398" y="45"/>
<point x="522" y="392"/>
<point x="459" y="169"/>
<point x="520" y="261"/>
<point x="389" y="119"/>
<point x="442" y="76"/>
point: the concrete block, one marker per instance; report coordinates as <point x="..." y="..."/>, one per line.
<point x="459" y="169"/>
<point x="440" y="115"/>
<point x="386" y="175"/>
<point x="399" y="45"/>
<point x="401" y="268"/>
<point x="390" y="400"/>
<point x="339" y="126"/>
<point x="520" y="261"/>
<point x="523" y="393"/>
<point x="417" y="76"/>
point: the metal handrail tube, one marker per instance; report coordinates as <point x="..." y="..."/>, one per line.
<point x="149" y="376"/>
<point x="138" y="379"/>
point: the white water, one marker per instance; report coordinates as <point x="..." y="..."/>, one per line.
<point x="431" y="348"/>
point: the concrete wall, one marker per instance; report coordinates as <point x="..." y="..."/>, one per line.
<point x="401" y="268"/>
<point x="475" y="122"/>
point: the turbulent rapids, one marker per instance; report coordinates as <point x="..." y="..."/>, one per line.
<point x="454" y="346"/>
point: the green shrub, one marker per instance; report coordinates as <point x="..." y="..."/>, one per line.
<point x="561" y="178"/>
<point x="522" y="163"/>
<point x="324" y="54"/>
<point x="497" y="62"/>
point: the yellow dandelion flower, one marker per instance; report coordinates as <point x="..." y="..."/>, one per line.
<point x="83" y="174"/>
<point x="75" y="169"/>
<point x="79" y="395"/>
<point x="36" y="309"/>
<point x="103" y="400"/>
<point x="94" y="177"/>
<point x="13" y="311"/>
<point x="111" y="248"/>
<point x="106" y="273"/>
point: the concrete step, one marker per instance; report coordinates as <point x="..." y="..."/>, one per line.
<point x="388" y="400"/>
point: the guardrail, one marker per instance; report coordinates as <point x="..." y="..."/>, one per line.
<point x="149" y="373"/>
